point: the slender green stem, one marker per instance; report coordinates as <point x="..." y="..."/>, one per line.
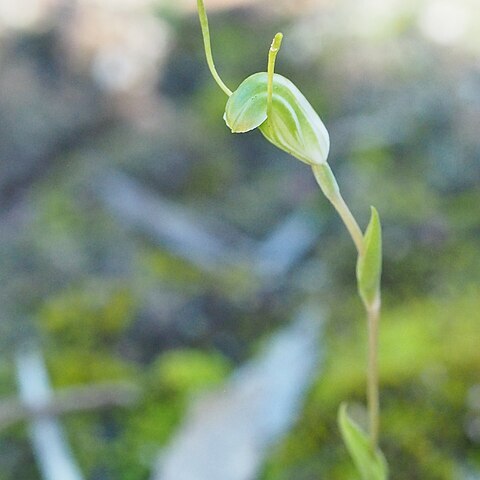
<point x="350" y="222"/>
<point x="327" y="182"/>
<point x="372" y="373"/>
<point x="272" y="55"/>
<point x="202" y="15"/>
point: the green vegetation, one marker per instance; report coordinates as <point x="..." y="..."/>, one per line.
<point x="89" y="275"/>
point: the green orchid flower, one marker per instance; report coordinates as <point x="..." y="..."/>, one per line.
<point x="273" y="104"/>
<point x="276" y="106"/>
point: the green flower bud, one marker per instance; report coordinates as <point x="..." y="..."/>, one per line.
<point x="291" y="123"/>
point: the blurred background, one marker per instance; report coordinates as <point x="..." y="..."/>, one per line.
<point x="148" y="256"/>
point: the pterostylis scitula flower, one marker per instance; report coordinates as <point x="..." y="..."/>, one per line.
<point x="273" y="104"/>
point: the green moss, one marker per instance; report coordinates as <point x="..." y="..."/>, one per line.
<point x="88" y="316"/>
<point x="79" y="367"/>
<point x="187" y="371"/>
<point x="163" y="266"/>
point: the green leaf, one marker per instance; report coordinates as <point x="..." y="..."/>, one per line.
<point x="369" y="264"/>
<point x="293" y="125"/>
<point x="370" y="463"/>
